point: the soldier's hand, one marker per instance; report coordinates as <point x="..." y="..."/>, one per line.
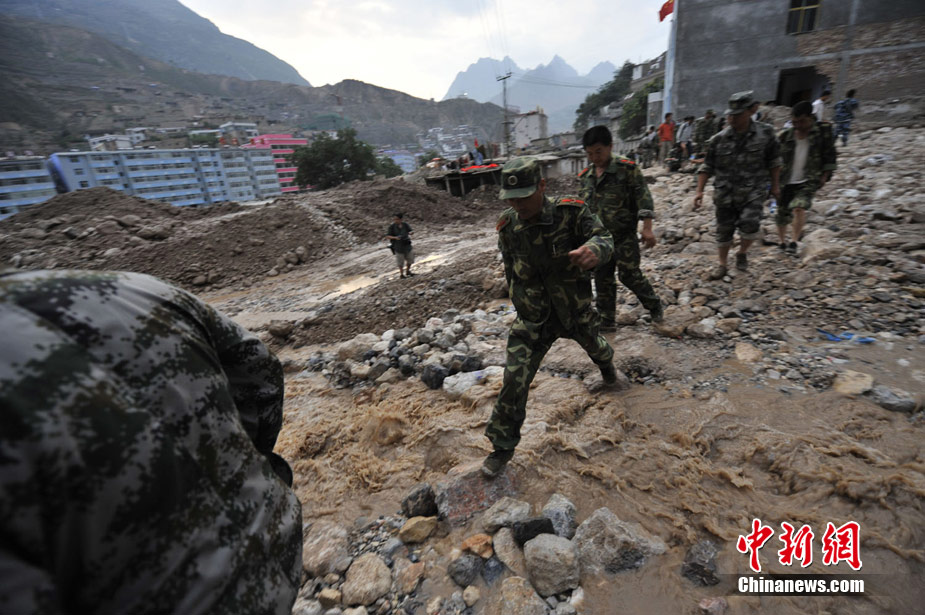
<point x="648" y="238"/>
<point x="584" y="258"/>
<point x="698" y="200"/>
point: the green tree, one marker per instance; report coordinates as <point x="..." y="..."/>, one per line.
<point x="427" y="157"/>
<point x="612" y="91"/>
<point x="635" y="110"/>
<point x="388" y="168"/>
<point x="328" y="162"/>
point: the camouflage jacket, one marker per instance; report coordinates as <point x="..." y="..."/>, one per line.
<point x="822" y="154"/>
<point x="844" y="110"/>
<point x="619" y="197"/>
<point x="541" y="278"/>
<point x="741" y="163"/>
<point x="138" y="423"/>
<point x="704" y="128"/>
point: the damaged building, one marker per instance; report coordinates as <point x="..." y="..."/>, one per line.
<point x="792" y="50"/>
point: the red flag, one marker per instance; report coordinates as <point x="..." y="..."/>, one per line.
<point x="476" y="144"/>
<point x="666" y="10"/>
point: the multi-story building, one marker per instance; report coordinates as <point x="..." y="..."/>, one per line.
<point x="179" y="176"/>
<point x="138" y="134"/>
<point x="108" y="143"/>
<point x="24" y="181"/>
<point x="238" y="133"/>
<point x="530" y="126"/>
<point x="283" y="145"/>
<point x="792" y="51"/>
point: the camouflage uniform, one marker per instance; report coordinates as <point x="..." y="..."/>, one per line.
<point x="620" y="197"/>
<point x="139" y="425"/>
<point x="552" y="297"/>
<point x="844" y="114"/>
<point x="821" y="158"/>
<point x="741" y="164"/>
<point x="704" y="129"/>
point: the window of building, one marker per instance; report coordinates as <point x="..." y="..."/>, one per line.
<point x="84" y="184"/>
<point x="802" y="16"/>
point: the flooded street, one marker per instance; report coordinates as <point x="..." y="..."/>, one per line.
<point x="696" y="450"/>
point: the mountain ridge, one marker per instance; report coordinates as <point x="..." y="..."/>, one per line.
<point x="59" y="83"/>
<point x="163" y="30"/>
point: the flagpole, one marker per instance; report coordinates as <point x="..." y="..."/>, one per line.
<point x="669" y="62"/>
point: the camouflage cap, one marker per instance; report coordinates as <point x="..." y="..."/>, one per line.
<point x="709" y="112"/>
<point x="520" y="178"/>
<point x="740" y="102"/>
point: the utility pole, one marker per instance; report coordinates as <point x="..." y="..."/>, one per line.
<point x="507" y="123"/>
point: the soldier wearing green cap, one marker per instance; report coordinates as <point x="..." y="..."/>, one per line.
<point x="616" y="191"/>
<point x="744" y="157"/>
<point x="547" y="247"/>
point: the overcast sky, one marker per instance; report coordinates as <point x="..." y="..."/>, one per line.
<point x="418" y="46"/>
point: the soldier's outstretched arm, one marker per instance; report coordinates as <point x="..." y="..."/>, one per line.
<point x="255" y="376"/>
<point x="646" y="207"/>
<point x="594" y="235"/>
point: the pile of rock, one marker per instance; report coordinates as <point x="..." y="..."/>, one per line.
<point x="536" y="563"/>
<point x="451" y="352"/>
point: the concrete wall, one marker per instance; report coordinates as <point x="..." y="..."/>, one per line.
<point x="726" y="46"/>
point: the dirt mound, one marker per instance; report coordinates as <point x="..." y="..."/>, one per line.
<point x="367" y="208"/>
<point x="221" y="245"/>
<point x="88" y="206"/>
<point x="463" y="286"/>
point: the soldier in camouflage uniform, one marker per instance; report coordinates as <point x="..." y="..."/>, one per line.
<point x="745" y="158"/>
<point x="547" y="246"/>
<point x="615" y="189"/>
<point x="138" y="473"/>
<point x="704" y="129"/>
<point x="809" y="158"/>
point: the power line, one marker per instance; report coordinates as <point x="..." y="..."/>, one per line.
<point x="558" y="84"/>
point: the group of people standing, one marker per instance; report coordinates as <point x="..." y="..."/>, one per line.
<point x="547" y="245"/>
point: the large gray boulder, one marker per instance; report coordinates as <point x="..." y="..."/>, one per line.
<point x="552" y="562"/>
<point x="607" y="544"/>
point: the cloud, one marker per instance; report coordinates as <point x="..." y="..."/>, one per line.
<point x="418" y="47"/>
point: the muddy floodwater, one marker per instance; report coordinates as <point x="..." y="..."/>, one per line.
<point x="686" y="461"/>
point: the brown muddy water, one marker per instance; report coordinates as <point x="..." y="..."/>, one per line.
<point x="686" y="462"/>
<point x="685" y="465"/>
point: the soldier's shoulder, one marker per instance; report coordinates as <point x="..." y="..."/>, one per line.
<point x="624" y="161"/>
<point x="569" y="201"/>
<point x="765" y="128"/>
<point x="505" y="218"/>
<point x="584" y="172"/>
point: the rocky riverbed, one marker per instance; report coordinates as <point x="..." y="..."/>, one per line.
<point x="790" y="393"/>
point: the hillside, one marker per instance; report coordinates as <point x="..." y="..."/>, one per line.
<point x="58" y="83"/>
<point x="164" y="30"/>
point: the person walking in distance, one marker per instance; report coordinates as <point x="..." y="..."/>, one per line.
<point x="399" y="236"/>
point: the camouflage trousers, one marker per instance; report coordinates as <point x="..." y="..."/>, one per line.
<point x="843" y="129"/>
<point x="742" y="216"/>
<point x="625" y="262"/>
<point x="526" y="346"/>
<point x="793" y="196"/>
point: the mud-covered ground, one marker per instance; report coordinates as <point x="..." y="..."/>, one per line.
<point x="733" y="417"/>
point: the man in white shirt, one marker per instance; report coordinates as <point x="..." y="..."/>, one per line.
<point x="808" y="153"/>
<point x="684" y="136"/>
<point x="819" y="105"/>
